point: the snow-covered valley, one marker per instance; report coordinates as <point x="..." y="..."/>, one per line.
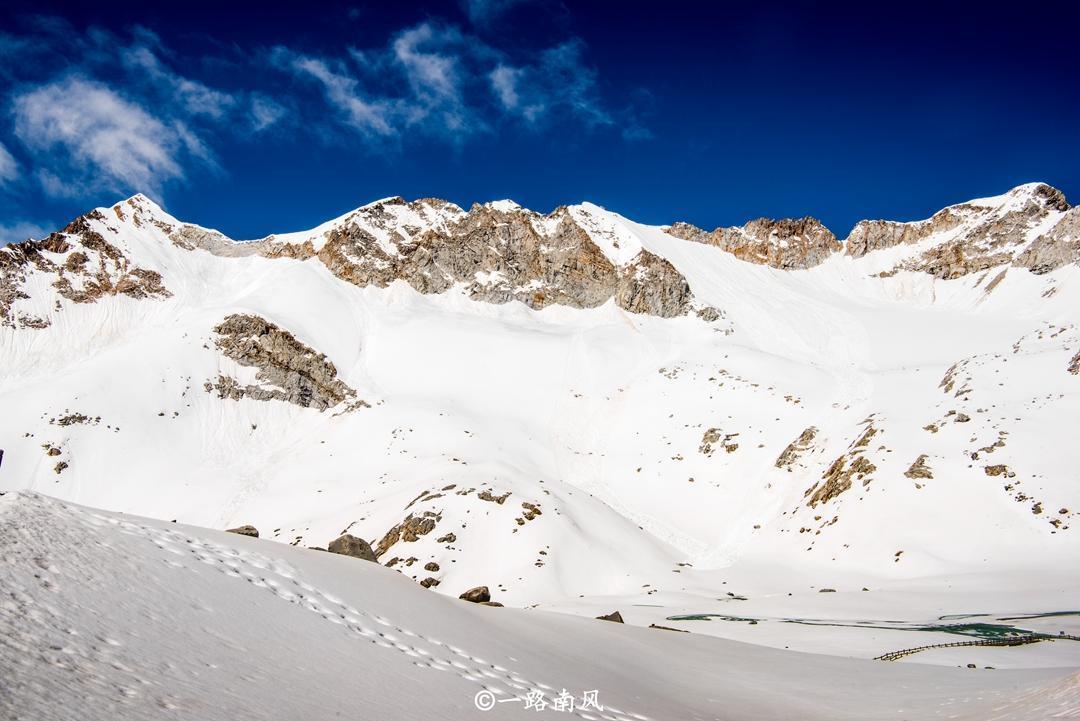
<point x="799" y="444"/>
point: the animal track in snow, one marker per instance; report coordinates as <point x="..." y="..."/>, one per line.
<point x="280" y="579"/>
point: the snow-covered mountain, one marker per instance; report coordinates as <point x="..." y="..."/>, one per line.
<point x="573" y="409"/>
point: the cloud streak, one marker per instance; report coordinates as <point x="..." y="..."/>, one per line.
<point x="99" y="140"/>
<point x="99" y="111"/>
<point x="9" y="168"/>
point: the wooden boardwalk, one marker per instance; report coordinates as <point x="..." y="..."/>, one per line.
<point x="1007" y="641"/>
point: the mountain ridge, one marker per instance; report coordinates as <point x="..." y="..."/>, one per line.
<point x="571" y="256"/>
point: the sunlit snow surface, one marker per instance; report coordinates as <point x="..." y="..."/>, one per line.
<point x="598" y="417"/>
<point x="108" y="616"/>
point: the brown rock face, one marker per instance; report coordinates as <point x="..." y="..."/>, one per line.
<point x="348" y="545"/>
<point x="919" y="469"/>
<point x="976" y="237"/>
<point x="788" y="243"/>
<point x="868" y="235"/>
<point x="244" y="531"/>
<point x="83" y="268"/>
<point x="288" y="370"/>
<point x="614" y="616"/>
<point x="1056" y="248"/>
<point x="480" y="594"/>
<point x="408" y="531"/>
<point x="796" y="448"/>
<point x="852" y="465"/>
<point x="499" y="256"/>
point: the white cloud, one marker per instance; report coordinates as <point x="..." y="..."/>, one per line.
<point x="342" y="91"/>
<point x="194" y="97"/>
<point x="431" y="66"/>
<point x="9" y="169"/>
<point x="87" y="133"/>
<point x="504" y="80"/>
<point x="265" y="112"/>
<point x="21" y="230"/>
<point x="558" y="79"/>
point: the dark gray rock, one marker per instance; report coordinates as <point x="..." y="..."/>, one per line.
<point x="349" y="545"/>
<point x="480" y="594"/>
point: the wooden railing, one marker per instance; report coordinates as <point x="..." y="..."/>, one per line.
<point x="1007" y="641"/>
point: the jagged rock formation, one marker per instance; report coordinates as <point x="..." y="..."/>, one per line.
<point x="1056" y="248"/>
<point x="796" y="448"/>
<point x="500" y="254"/>
<point x="79" y="263"/>
<point x="288" y="370"/>
<point x="978" y="236"/>
<point x="919" y="469"/>
<point x="247" y="530"/>
<point x="408" y="531"/>
<point x="852" y="465"/>
<point x="788" y="244"/>
<point x="1032" y="227"/>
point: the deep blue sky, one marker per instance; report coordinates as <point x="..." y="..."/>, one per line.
<point x="255" y="119"/>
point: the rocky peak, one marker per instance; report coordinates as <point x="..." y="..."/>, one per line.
<point x="79" y="263"/>
<point x="501" y="252"/>
<point x="1028" y="226"/>
<point x="787" y="243"/>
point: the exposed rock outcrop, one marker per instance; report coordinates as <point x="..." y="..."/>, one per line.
<point x="848" y="467"/>
<point x="788" y="244"/>
<point x="408" y="531"/>
<point x="796" y="448"/>
<point x="1056" y="248"/>
<point x="244" y="531"/>
<point x="349" y="545"/>
<point x="919" y="469"/>
<point x="288" y="370"/>
<point x="480" y="594"/>
<point x="499" y="254"/>
<point x="977" y="236"/>
<point x="79" y="264"/>
<point x="614" y="616"/>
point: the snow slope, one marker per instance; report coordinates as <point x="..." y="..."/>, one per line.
<point x="108" y="616"/>
<point x="650" y="445"/>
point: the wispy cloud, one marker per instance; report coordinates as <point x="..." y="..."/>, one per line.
<point x="438" y="80"/>
<point x="558" y="79"/>
<point x="341" y="90"/>
<point x="9" y="169"/>
<point x="264" y="112"/>
<point x="93" y="138"/>
<point x="94" y="109"/>
<point x="420" y="81"/>
<point x="193" y="97"/>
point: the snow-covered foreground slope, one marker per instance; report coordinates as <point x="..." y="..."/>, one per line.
<point x="585" y="413"/>
<point x="107" y="616"/>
